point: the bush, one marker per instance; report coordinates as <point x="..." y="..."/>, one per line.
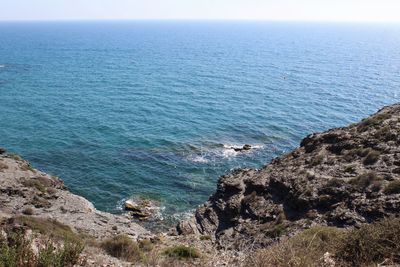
<point x="67" y="255"/>
<point x="27" y="167"/>
<point x="182" y="252"/>
<point x="16" y="251"/>
<point x="35" y="183"/>
<point x="205" y="237"/>
<point x="372" y="157"/>
<point x="317" y="160"/>
<point x="276" y="231"/>
<point x="350" y="169"/>
<point x="393" y="187"/>
<point x="371" y="244"/>
<point x="334" y="182"/>
<point x="28" y="211"/>
<point x="366" y="180"/>
<point x="15" y="157"/>
<point x="366" y="123"/>
<point x="122" y="247"/>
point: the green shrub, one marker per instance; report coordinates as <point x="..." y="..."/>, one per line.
<point x="182" y="252"/>
<point x="276" y="231"/>
<point x="372" y="157"/>
<point x="15" y="157"/>
<point x="205" y="237"/>
<point x="335" y="182"/>
<point x="67" y="255"/>
<point x="366" y="180"/>
<point x="392" y="188"/>
<point x="16" y="251"/>
<point x="123" y="247"/>
<point x="317" y="160"/>
<point x="350" y="169"/>
<point x="372" y="121"/>
<point x="145" y="245"/>
<point x="27" y="167"/>
<point x="366" y="123"/>
<point x="28" y="211"/>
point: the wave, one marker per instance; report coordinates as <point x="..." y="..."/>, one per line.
<point x="217" y="152"/>
<point x="198" y="159"/>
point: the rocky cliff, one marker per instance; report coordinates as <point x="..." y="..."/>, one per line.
<point x="342" y="177"/>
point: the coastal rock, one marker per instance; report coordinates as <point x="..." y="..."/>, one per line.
<point x="22" y="188"/>
<point x="245" y="147"/>
<point x="339" y="178"/>
<point x="141" y="209"/>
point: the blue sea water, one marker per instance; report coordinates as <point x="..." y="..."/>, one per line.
<point x="122" y="109"/>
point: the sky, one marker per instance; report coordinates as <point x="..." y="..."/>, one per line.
<point x="281" y="10"/>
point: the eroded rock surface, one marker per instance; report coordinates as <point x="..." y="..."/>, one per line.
<point x="340" y="177"/>
<point x="27" y="191"/>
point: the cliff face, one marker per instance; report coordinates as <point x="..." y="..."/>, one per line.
<point x="342" y="177"/>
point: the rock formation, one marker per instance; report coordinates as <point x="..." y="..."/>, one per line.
<point x="23" y="188"/>
<point x="342" y="177"/>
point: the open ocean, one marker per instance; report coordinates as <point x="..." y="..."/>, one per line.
<point x="122" y="109"/>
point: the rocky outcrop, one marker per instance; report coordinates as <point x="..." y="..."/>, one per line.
<point x="342" y="177"/>
<point x="27" y="191"/>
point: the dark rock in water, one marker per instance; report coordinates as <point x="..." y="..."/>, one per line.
<point x="326" y="181"/>
<point x="2" y="150"/>
<point x="245" y="147"/>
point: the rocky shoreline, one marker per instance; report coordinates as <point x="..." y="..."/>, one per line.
<point x="343" y="177"/>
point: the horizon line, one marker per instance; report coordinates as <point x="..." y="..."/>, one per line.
<point x="201" y="20"/>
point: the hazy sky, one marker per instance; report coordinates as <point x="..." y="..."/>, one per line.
<point x="319" y="10"/>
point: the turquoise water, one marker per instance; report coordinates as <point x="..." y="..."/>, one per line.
<point x="121" y="109"/>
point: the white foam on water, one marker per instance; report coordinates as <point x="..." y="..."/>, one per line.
<point x="229" y="149"/>
<point x="198" y="159"/>
<point x="2" y="66"/>
<point x="229" y="153"/>
<point x="186" y="215"/>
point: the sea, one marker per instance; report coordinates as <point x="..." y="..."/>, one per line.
<point x="154" y="109"/>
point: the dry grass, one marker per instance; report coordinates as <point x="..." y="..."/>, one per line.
<point x="305" y="249"/>
<point x="371" y="244"/>
<point x="3" y="166"/>
<point x="392" y="188"/>
<point x="50" y="228"/>
<point x="365" y="246"/>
